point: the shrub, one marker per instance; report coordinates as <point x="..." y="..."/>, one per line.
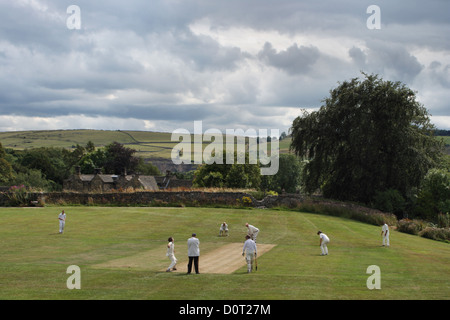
<point x="411" y="226"/>
<point x="348" y="211"/>
<point x="246" y="201"/>
<point x="440" y="234"/>
<point x="18" y="196"/>
<point x="259" y="195"/>
<point x="34" y="179"/>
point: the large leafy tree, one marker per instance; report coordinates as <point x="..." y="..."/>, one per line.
<point x="369" y="135"/>
<point x="233" y="175"/>
<point x="113" y="158"/>
<point x="434" y="195"/>
<point x="288" y="177"/>
<point x="119" y="157"/>
<point x="54" y="163"/>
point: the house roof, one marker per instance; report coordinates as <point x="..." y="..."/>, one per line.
<point x="148" y="182"/>
<point x="106" y="178"/>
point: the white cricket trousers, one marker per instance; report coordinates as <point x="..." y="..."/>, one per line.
<point x="386" y="239"/>
<point x="250" y="256"/>
<point x="174" y="261"/>
<point x="61" y="226"/>
<point x="324" y="247"/>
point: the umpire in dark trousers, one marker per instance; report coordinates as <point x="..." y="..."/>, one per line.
<point x="193" y="253"/>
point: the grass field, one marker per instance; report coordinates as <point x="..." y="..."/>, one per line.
<point x="34" y="257"/>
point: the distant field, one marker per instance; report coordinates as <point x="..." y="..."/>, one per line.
<point x="153" y="144"/>
<point x="121" y="255"/>
<point x="446" y="139"/>
<point x="147" y="144"/>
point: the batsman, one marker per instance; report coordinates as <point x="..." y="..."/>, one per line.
<point x="249" y="251"/>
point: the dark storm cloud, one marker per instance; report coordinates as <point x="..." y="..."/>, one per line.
<point x="391" y="59"/>
<point x="203" y="52"/>
<point x="358" y="56"/>
<point x="293" y="60"/>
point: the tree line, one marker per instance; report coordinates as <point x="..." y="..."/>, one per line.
<point x="440" y="132"/>
<point x="46" y="168"/>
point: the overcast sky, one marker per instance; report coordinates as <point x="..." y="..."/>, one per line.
<point x="160" y="65"/>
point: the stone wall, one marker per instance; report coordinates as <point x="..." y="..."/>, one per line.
<point x="153" y="198"/>
<point x="157" y="198"/>
<point x="184" y="198"/>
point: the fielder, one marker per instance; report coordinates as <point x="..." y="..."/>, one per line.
<point x="385" y="234"/>
<point x="249" y="251"/>
<point x="171" y="254"/>
<point x="323" y="242"/>
<point x="62" y="221"/>
<point x="252" y="231"/>
<point x="223" y="229"/>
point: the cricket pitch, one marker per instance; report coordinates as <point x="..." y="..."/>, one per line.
<point x="224" y="260"/>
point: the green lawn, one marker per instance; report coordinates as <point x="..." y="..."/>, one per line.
<point x="34" y="257"/>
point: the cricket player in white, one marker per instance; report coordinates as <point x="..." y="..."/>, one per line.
<point x="223" y="229"/>
<point x="323" y="243"/>
<point x="252" y="231"/>
<point x="171" y="254"/>
<point x="249" y="251"/>
<point x="385" y="234"/>
<point x="62" y="221"/>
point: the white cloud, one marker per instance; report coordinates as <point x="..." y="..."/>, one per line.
<point x="24" y="123"/>
<point x="441" y="122"/>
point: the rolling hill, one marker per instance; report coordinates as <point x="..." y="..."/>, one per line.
<point x="148" y="144"/>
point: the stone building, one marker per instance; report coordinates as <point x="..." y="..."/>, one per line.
<point x="170" y="181"/>
<point x="99" y="182"/>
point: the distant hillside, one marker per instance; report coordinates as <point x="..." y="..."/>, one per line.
<point x="153" y="146"/>
<point x="149" y="144"/>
